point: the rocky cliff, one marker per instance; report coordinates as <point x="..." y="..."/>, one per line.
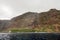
<point x="46" y="21"/>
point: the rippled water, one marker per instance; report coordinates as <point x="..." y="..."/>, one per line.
<point x="29" y="36"/>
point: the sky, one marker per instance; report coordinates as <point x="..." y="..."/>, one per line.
<point x="12" y="8"/>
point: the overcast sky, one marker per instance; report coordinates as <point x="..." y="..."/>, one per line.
<point x="11" y="8"/>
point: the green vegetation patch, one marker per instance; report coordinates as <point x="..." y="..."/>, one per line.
<point x="23" y="30"/>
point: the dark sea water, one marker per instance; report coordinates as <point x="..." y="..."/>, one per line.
<point x="29" y="36"/>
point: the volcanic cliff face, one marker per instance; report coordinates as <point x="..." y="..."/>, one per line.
<point x="50" y="17"/>
<point x="31" y="20"/>
<point x="25" y="20"/>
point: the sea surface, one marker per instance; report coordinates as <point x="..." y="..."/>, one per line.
<point x="29" y="36"/>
